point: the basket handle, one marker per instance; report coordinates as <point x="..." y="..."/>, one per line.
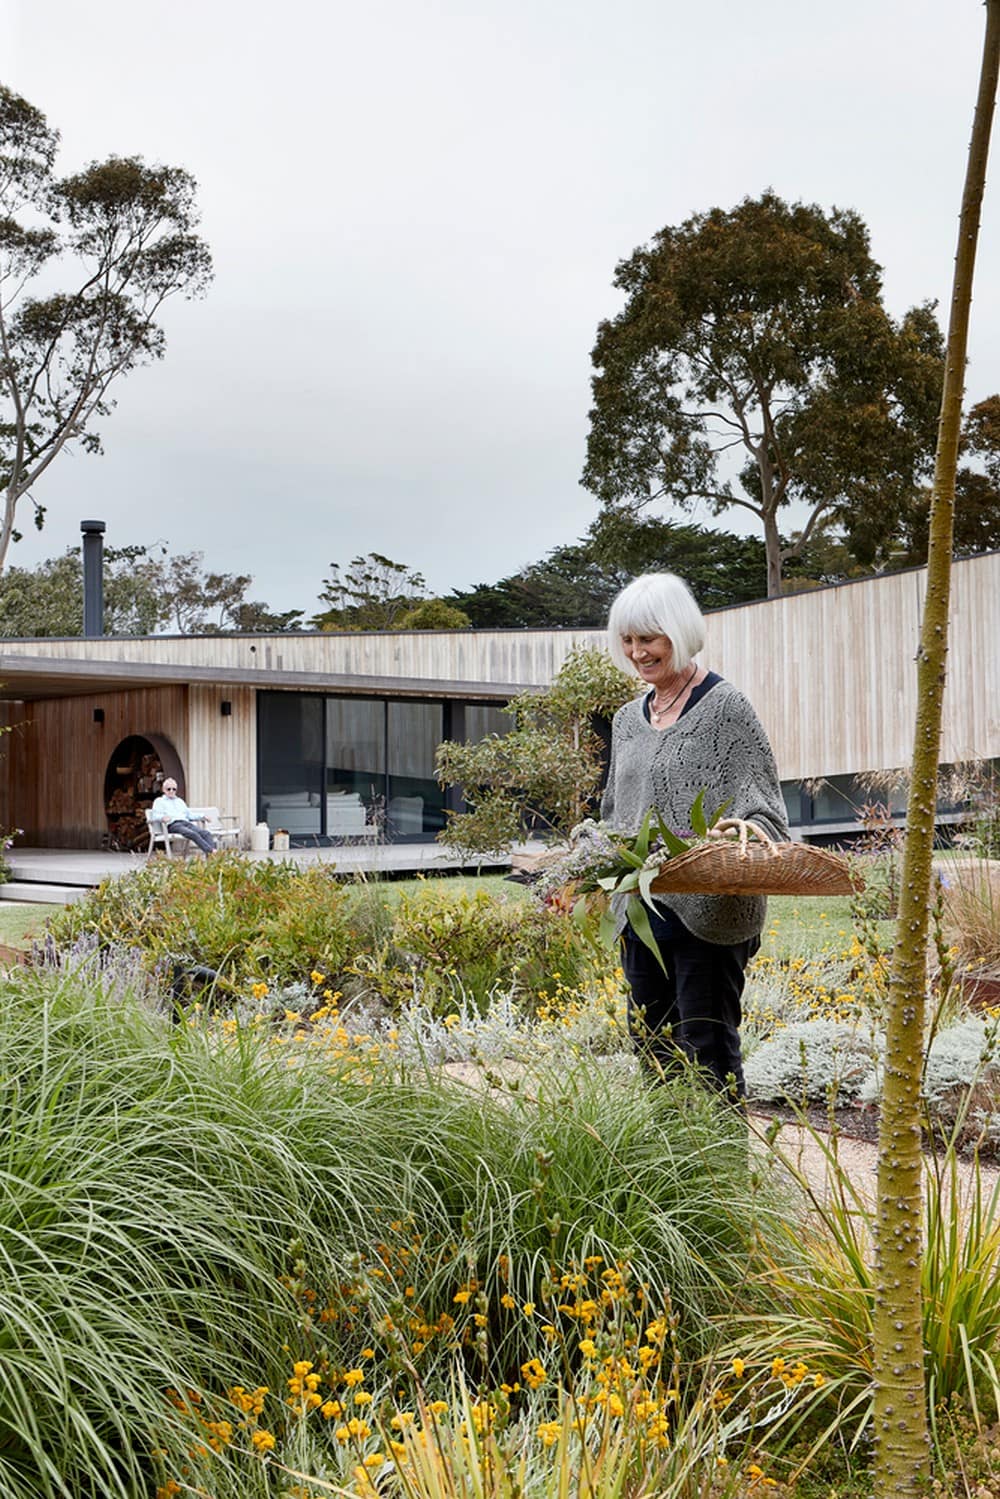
<point x="726" y="826"/>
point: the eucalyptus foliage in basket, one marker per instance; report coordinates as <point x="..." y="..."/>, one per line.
<point x="613" y="872"/>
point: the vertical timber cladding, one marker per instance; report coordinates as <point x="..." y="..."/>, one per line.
<point x="221" y="768"/>
<point x="14" y="726"/>
<point x="831" y="672"/>
<point x="972" y="696"/>
<point x="59" y="761"/>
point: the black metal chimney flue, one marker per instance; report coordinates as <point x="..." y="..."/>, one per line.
<point x="93" y="577"/>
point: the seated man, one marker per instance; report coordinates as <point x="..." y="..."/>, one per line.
<point x="173" y="811"/>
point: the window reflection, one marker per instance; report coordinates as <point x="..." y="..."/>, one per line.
<point x="290" y="738"/>
<point x="346" y="768"/>
<point x="415" y="805"/>
<point x="355" y="767"/>
<point x="482" y="719"/>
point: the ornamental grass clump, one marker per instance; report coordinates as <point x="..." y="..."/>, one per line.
<point x="818" y="1280"/>
<point x="144" y="1205"/>
<point x="181" y="1206"/>
<point x="971" y="895"/>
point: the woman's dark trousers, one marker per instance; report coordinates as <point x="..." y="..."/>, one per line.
<point x="692" y="1010"/>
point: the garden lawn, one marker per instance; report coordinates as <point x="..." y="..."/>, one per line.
<point x="807" y="926"/>
<point x="494" y="884"/>
<point x="798" y="926"/>
<point x="22" y="921"/>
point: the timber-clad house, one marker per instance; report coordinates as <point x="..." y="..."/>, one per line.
<point x="320" y="734"/>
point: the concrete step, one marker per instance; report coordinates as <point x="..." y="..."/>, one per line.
<point x="50" y="895"/>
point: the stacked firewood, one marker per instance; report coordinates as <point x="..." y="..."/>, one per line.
<point x="127" y="804"/>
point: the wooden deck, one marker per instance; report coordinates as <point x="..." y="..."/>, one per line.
<point x="59" y="876"/>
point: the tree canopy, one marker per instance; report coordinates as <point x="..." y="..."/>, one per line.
<point x="146" y="589"/>
<point x="754" y="365"/>
<point x="977" y="496"/>
<point x="375" y="593"/>
<point x="371" y="593"/>
<point x="573" y="586"/>
<point x="47" y="600"/>
<point x="434" y="614"/>
<point x="123" y="233"/>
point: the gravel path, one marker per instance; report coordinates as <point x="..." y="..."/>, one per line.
<point x="804" y="1148"/>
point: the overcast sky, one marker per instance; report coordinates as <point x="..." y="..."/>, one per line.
<point x="415" y="209"/>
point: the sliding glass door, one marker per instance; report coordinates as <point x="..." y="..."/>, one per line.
<point x="335" y="768"/>
<point x="414" y="800"/>
<point x="290" y="762"/>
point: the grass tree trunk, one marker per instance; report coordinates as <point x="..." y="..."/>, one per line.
<point x="901" y="1439"/>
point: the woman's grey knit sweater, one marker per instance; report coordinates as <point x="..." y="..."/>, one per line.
<point x="718" y="746"/>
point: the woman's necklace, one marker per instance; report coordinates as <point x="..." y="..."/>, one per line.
<point x="656" y="711"/>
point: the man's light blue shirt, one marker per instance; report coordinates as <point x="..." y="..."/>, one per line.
<point x="171" y="809"/>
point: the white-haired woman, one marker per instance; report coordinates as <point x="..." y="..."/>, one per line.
<point x="689" y="731"/>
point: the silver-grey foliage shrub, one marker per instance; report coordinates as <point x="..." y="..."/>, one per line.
<point x="961" y="1084"/>
<point x="810" y="1062"/>
<point x="501" y="1032"/>
<point x="963" y="1055"/>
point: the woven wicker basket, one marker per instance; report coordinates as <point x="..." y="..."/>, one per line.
<point x="751" y="864"/>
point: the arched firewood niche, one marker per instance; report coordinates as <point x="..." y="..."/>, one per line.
<point x="132" y="781"/>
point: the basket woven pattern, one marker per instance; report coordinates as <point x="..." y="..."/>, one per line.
<point x="726" y="867"/>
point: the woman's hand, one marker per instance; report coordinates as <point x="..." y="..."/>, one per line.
<point x="726" y="826"/>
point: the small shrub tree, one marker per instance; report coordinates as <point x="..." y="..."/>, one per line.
<point x="546" y="772"/>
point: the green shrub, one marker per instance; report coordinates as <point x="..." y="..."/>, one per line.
<point x="246" y="920"/>
<point x="476" y="942"/>
<point x="276" y="923"/>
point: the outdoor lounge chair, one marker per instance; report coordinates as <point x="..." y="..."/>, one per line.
<point x="225" y="830"/>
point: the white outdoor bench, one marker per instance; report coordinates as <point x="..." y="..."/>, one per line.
<point x="225" y="830"/>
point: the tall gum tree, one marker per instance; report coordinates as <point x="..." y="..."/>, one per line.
<point x="900" y="1414"/>
<point x="754" y="365"/>
<point x="125" y="231"/>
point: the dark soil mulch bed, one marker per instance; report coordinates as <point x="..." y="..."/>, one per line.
<point x="857" y="1122"/>
<point x="853" y="1121"/>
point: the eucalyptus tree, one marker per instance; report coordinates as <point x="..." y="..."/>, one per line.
<point x="372" y="593"/>
<point x="754" y="365"/>
<point x="86" y="264"/>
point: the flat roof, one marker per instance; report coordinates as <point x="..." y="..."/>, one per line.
<point x="30" y="678"/>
